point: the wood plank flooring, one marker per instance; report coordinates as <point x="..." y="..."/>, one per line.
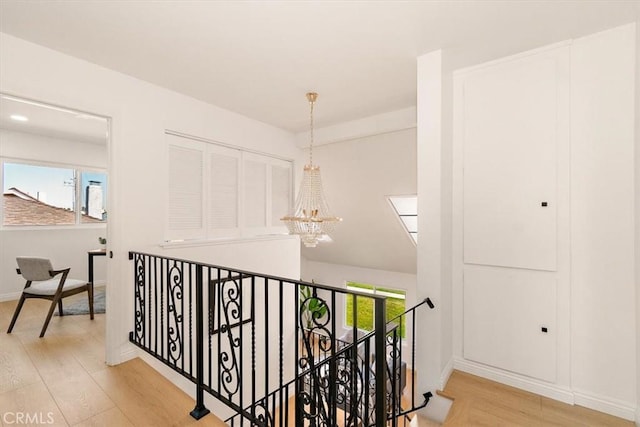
<point x="62" y="380"/>
<point x="63" y="377"/>
<point x="480" y="402"/>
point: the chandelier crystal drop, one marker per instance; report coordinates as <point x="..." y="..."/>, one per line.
<point x="311" y="219"/>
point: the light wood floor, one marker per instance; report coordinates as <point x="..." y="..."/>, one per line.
<point x="63" y="376"/>
<point x="480" y="402"/>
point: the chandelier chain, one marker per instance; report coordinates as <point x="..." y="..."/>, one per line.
<point x="311" y="131"/>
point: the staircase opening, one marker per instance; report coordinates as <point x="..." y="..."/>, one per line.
<point x="270" y="348"/>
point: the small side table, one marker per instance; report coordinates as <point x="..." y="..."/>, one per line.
<point x="93" y="253"/>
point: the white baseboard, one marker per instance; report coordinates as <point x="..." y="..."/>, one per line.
<point x="128" y="352"/>
<point x="446" y="373"/>
<point x="606" y="404"/>
<point x="532" y="385"/>
<point x="10" y="296"/>
<point x="563" y="394"/>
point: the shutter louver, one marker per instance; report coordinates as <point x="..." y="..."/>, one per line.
<point x="185" y="188"/>
<point x="280" y="193"/>
<point x="224" y="191"/>
<point x="255" y="193"/>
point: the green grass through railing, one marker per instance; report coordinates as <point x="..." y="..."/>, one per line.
<point x="395" y="305"/>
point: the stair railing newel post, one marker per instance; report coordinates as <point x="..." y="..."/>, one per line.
<point x="200" y="410"/>
<point x="380" y="362"/>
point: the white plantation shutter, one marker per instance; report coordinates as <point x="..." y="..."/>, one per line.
<point x="223" y="184"/>
<point x="280" y="192"/>
<point x="185" y="192"/>
<point x="255" y="193"/>
<point x="218" y="191"/>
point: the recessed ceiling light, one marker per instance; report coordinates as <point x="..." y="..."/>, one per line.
<point x="19" y="118"/>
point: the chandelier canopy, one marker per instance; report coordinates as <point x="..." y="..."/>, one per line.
<point x="311" y="219"/>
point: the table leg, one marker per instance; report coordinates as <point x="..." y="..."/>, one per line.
<point x="91" y="268"/>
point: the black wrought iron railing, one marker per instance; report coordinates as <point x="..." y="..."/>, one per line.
<point x="273" y="349"/>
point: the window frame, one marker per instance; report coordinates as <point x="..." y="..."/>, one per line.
<point x="78" y="170"/>
<point x="413" y="235"/>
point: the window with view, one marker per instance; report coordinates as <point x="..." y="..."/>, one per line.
<point x="365" y="306"/>
<point x="52" y="195"/>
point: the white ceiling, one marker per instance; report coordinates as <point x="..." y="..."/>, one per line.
<point x="259" y="58"/>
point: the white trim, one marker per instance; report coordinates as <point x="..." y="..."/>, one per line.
<point x="638" y="416"/>
<point x="446" y="373"/>
<point x="10" y="296"/>
<point x="9" y="227"/>
<point x="532" y="385"/>
<point x="379" y="124"/>
<point x="48" y="105"/>
<point x="223" y="144"/>
<point x="128" y="352"/>
<point x="605" y="404"/>
<point x="224" y="241"/>
<point x="53" y="164"/>
<point x="506" y="59"/>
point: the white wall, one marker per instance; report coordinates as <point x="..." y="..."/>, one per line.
<point x="602" y="218"/>
<point x="28" y="146"/>
<point x="338" y="274"/>
<point x="140" y="113"/>
<point x="588" y="289"/>
<point x="65" y="246"/>
<point x="357" y="177"/>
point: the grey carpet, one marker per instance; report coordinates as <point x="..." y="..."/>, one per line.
<point x="81" y="305"/>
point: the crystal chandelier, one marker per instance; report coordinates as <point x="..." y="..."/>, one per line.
<point x="311" y="218"/>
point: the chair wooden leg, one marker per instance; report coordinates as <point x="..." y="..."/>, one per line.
<point x="90" y="292"/>
<point x="48" y="319"/>
<point x="16" y="313"/>
<point x="60" y="313"/>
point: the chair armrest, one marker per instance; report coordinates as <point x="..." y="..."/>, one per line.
<point x="54" y="273"/>
<point x="64" y="273"/>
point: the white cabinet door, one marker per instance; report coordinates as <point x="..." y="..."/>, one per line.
<point x="510" y="139"/>
<point x="510" y="320"/>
